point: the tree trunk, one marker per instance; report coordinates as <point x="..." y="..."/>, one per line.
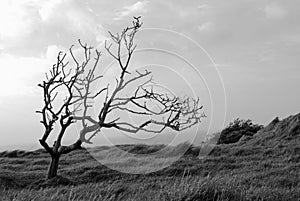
<point x="52" y="171"/>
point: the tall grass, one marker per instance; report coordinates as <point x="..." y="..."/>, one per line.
<point x="232" y="172"/>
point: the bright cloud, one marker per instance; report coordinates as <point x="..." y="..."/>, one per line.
<point x="274" y="11"/>
<point x="204" y="6"/>
<point x="48" y="8"/>
<point x="86" y="25"/>
<point x="72" y="17"/>
<point x="206" y="26"/>
<point x="55" y="21"/>
<point x="15" y="19"/>
<point x="139" y="7"/>
<point x="18" y="73"/>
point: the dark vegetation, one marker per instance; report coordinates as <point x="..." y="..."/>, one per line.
<point x="263" y="167"/>
<point x="237" y="129"/>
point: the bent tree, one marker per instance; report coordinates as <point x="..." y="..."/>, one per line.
<point x="67" y="96"/>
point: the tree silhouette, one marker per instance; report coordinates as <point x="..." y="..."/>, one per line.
<point x="74" y="84"/>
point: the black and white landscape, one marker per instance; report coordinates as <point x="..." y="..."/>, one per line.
<point x="149" y="100"/>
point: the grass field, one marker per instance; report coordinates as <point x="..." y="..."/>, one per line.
<point x="266" y="167"/>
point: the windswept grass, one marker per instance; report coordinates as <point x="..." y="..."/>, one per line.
<point x="265" y="167"/>
<point x="233" y="172"/>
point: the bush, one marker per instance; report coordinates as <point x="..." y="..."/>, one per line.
<point x="237" y="129"/>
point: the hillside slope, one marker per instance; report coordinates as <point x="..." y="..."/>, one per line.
<point x="263" y="167"/>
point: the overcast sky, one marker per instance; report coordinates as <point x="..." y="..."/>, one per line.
<point x="249" y="47"/>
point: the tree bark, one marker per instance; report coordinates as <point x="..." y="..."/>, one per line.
<point x="52" y="171"/>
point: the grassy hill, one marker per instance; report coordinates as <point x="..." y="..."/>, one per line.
<point x="263" y="167"/>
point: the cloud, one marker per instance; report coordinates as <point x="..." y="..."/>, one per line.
<point x="274" y="11"/>
<point x="52" y="51"/>
<point x="292" y="39"/>
<point x="28" y="26"/>
<point x="48" y="9"/>
<point x="72" y="16"/>
<point x="204" y="6"/>
<point x="205" y="26"/>
<point x="136" y="8"/>
<point x="85" y="25"/>
<point x="15" y="19"/>
<point x="18" y="74"/>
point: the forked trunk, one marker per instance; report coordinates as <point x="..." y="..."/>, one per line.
<point x="52" y="171"/>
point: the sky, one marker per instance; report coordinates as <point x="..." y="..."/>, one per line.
<point x="240" y="57"/>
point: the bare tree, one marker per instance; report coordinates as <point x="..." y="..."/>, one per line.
<point x="171" y="112"/>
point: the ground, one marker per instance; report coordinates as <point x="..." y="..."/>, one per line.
<point x="265" y="167"/>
